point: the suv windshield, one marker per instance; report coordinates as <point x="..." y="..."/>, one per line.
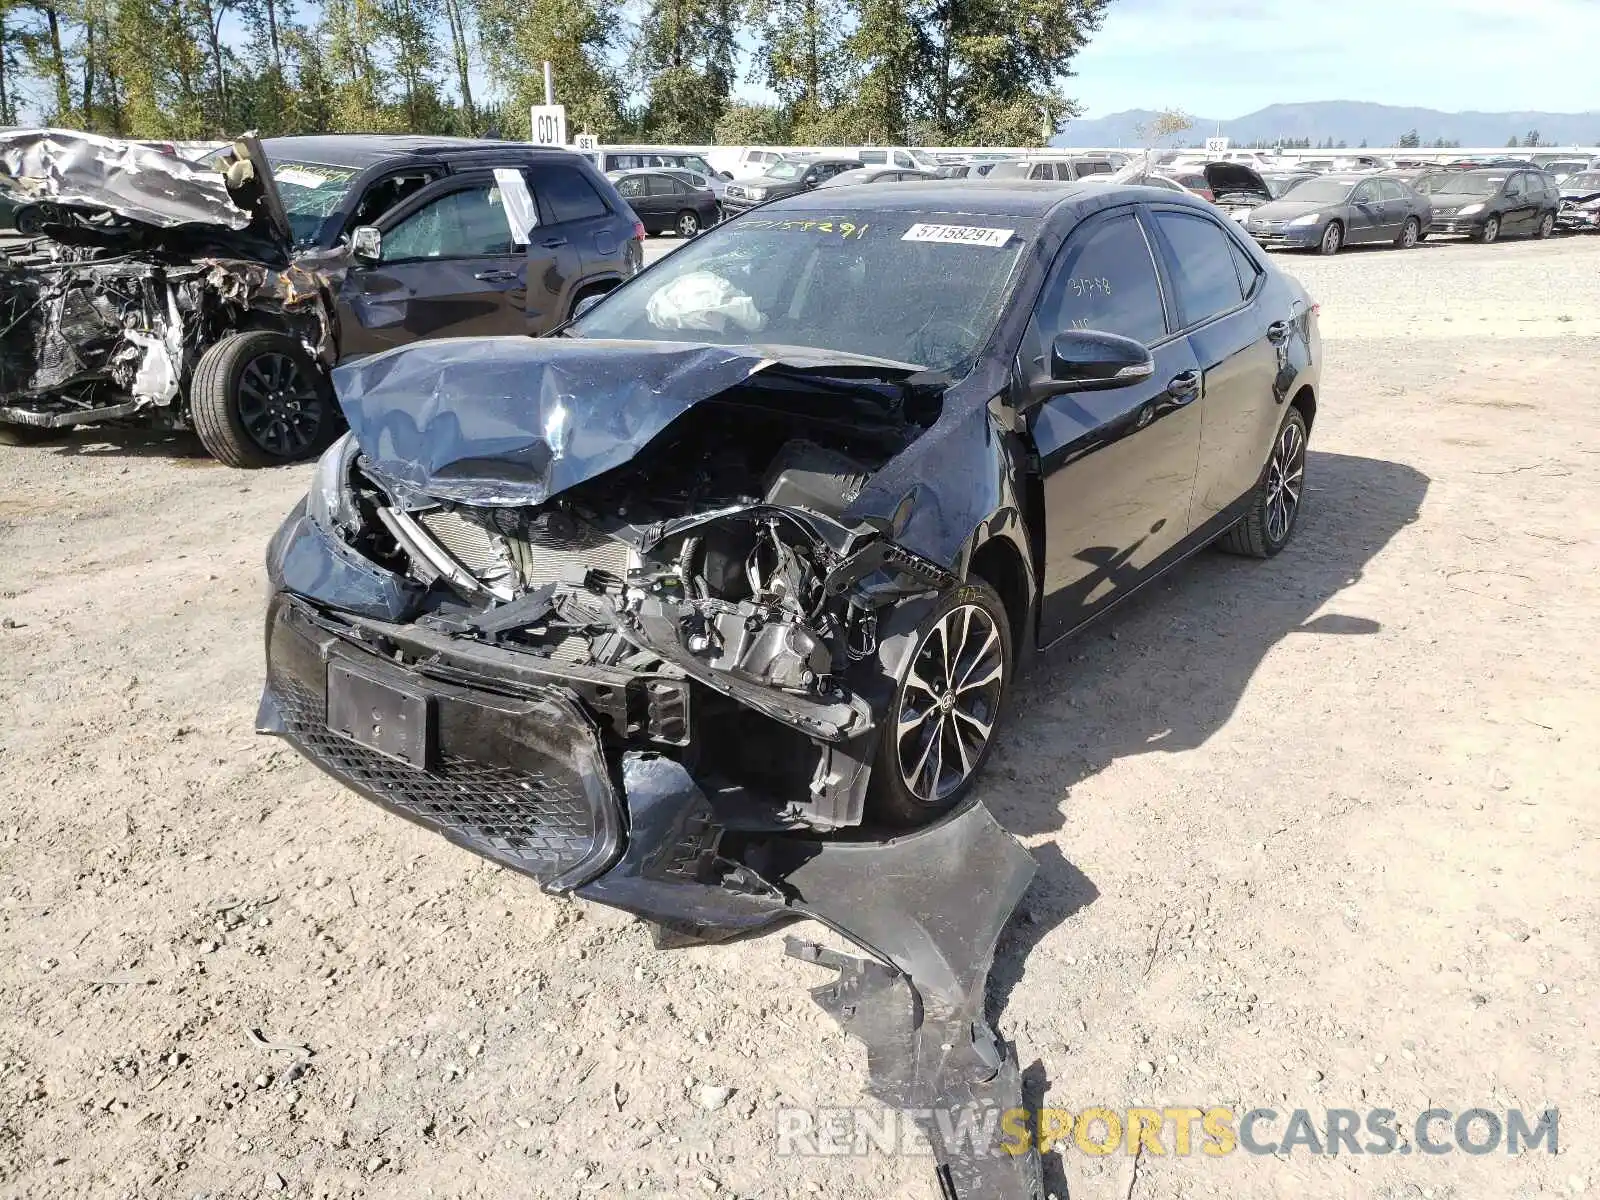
<point x="1589" y="179"/>
<point x="1014" y="169"/>
<point x="887" y="285"/>
<point x="311" y="193"/>
<point x="787" y="169"/>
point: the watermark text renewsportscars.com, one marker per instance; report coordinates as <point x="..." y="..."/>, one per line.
<point x="1177" y="1131"/>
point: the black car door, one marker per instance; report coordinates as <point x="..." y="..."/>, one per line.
<point x="1119" y="465"/>
<point x="578" y="238"/>
<point x="448" y="268"/>
<point x="1216" y="283"/>
<point x="636" y="192"/>
<point x="1523" y="194"/>
<point x="1366" y="215"/>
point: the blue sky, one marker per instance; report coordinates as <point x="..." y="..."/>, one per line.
<point x="1226" y="58"/>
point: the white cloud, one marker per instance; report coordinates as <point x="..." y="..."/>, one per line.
<point x="1235" y="56"/>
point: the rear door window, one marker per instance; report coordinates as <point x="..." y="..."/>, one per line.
<point x="1105" y="279"/>
<point x="1200" y="263"/>
<point x="662" y="185"/>
<point x="564" y="194"/>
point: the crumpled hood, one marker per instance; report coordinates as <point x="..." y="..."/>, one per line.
<point x="125" y="178"/>
<point x="509" y="421"/>
<point x="136" y="183"/>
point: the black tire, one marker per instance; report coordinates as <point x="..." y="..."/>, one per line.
<point x="890" y="800"/>
<point x="1489" y="233"/>
<point x="29" y="435"/>
<point x="687" y="223"/>
<point x="1410" y="234"/>
<point x="241" y="424"/>
<point x="1261" y="533"/>
<point x="1547" y="226"/>
<point x="26" y="221"/>
<point x="1332" y="239"/>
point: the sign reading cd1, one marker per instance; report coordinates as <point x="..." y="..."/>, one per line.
<point x="548" y="124"/>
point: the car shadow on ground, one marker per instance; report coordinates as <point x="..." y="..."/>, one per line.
<point x="1165" y="672"/>
<point x="1167" y="669"/>
<point x="114" y="441"/>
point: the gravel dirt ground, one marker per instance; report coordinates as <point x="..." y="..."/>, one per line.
<point x="1318" y="832"/>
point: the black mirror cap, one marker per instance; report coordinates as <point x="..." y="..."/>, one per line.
<point x="1085" y="360"/>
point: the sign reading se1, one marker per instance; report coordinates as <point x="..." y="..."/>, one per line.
<point x="547" y="124"/>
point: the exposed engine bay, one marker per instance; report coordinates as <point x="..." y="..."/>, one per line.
<point x="143" y="263"/>
<point x="719" y="554"/>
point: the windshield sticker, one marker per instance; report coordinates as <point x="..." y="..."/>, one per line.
<point x="308" y="177"/>
<point x="959" y="235"/>
<point x="845" y="229"/>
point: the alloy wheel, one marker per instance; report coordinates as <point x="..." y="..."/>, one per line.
<point x="950" y="702"/>
<point x="1491" y="230"/>
<point x="1408" y="236"/>
<point x="1285" y="479"/>
<point x="688" y="225"/>
<point x="1332" y="239"/>
<point x="279" y="405"/>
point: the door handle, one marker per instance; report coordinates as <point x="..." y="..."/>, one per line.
<point x="554" y="243"/>
<point x="1278" y="332"/>
<point x="496" y="276"/>
<point x="1184" y="387"/>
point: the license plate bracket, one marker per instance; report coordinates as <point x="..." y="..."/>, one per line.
<point x="384" y="715"/>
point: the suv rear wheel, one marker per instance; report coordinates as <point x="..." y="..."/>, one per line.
<point x="258" y="400"/>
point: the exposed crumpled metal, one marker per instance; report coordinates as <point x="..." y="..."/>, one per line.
<point x="127" y="179"/>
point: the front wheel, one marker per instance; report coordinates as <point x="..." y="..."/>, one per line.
<point x="258" y="400"/>
<point x="1410" y="234"/>
<point x="1547" y="226"/>
<point x="940" y="728"/>
<point x="27" y="222"/>
<point x="688" y="223"/>
<point x="1332" y="239"/>
<point x="1266" y="528"/>
<point x="1490" y="233"/>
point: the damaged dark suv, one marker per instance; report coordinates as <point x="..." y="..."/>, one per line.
<point x="217" y="296"/>
<point x="750" y="553"/>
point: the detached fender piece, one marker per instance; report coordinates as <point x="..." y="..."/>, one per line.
<point x="927" y="908"/>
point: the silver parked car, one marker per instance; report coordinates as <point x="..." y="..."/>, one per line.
<point x="1335" y="211"/>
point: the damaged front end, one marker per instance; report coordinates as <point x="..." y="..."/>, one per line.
<point x="143" y="264"/>
<point x="607" y="613"/>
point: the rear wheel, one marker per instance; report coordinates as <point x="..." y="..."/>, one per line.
<point x="940" y="727"/>
<point x="1547" y="226"/>
<point x="1275" y="507"/>
<point x="1332" y="238"/>
<point x="1490" y="233"/>
<point x="258" y="400"/>
<point x="26" y="221"/>
<point x="1410" y="234"/>
<point x="688" y="223"/>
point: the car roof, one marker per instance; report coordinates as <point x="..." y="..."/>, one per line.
<point x="999" y="198"/>
<point x="363" y="150"/>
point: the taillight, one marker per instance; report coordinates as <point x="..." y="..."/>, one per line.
<point x="638" y="231"/>
<point x="1206" y="194"/>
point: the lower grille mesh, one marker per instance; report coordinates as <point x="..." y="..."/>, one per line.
<point x="528" y="820"/>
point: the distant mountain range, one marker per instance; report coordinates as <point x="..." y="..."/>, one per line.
<point x="1351" y="122"/>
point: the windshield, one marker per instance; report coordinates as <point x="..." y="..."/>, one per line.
<point x="786" y="170"/>
<point x="1589" y="179"/>
<point x="1323" y="191"/>
<point x="887" y="285"/>
<point x="1282" y="185"/>
<point x="1460" y="183"/>
<point x="1009" y="170"/>
<point x="311" y="193"/>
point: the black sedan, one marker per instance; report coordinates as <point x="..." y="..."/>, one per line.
<point x="1334" y="211"/>
<point x="665" y="203"/>
<point x="1485" y="204"/>
<point x="752" y="551"/>
<point x="876" y="175"/>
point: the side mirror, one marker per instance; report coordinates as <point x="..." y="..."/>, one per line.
<point x="810" y="181"/>
<point x="366" y="243"/>
<point x="586" y="303"/>
<point x="724" y="175"/>
<point x="1086" y="360"/>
